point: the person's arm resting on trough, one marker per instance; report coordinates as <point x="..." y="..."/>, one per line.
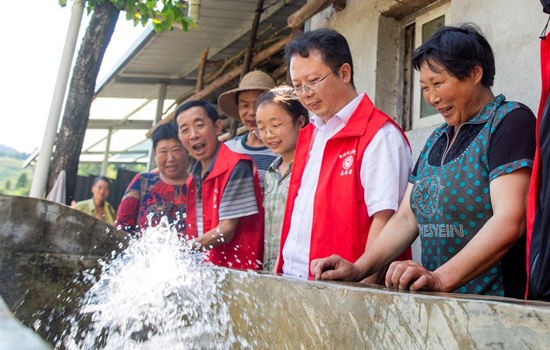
<point x="492" y="242"/>
<point x="396" y="236"/>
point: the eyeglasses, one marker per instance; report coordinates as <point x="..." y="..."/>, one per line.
<point x="310" y="87"/>
<point x="273" y="129"/>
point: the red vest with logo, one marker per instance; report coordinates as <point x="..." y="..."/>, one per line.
<point x="340" y="218"/>
<point x="246" y="250"/>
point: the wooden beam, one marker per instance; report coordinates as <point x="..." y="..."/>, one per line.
<point x="200" y="76"/>
<point x="227" y="77"/>
<point x="252" y="40"/>
<point x="298" y="18"/>
<point x="279" y="73"/>
<point x="214" y="64"/>
<point x="295" y="22"/>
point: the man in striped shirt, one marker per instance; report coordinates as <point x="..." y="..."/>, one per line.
<point x="224" y="211"/>
<point x="239" y="104"/>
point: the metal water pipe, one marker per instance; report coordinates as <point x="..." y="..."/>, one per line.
<point x="40" y="178"/>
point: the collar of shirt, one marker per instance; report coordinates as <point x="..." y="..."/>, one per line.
<point x="274" y="167"/>
<point x="197" y="168"/>
<point x="480" y="118"/>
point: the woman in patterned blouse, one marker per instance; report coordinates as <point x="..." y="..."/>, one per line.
<point x="160" y="193"/>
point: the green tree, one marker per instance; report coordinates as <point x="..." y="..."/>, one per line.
<point x="164" y="14"/>
<point x="7" y="184"/>
<point x="89" y="169"/>
<point x="22" y="181"/>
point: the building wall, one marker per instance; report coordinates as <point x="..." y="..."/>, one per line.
<point x="512" y="28"/>
<point x="358" y="22"/>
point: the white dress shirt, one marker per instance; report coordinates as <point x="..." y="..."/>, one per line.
<point x="386" y="162"/>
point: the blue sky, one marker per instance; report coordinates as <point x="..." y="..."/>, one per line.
<point x="31" y="43"/>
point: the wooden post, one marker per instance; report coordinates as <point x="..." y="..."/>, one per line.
<point x="200" y="75"/>
<point x="252" y="39"/>
<point x="227" y="77"/>
<point x="295" y="21"/>
<point x="298" y="18"/>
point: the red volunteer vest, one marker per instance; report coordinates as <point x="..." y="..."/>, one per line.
<point x="246" y="250"/>
<point x="536" y="175"/>
<point x="340" y="218"/>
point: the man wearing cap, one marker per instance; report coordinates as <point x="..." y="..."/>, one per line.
<point x="224" y="198"/>
<point x="239" y="104"/>
<point x="352" y="161"/>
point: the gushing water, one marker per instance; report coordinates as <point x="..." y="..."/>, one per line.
<point x="157" y="294"/>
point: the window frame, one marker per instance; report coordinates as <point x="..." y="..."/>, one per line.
<point x="418" y="20"/>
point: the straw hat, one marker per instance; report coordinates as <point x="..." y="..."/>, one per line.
<point x="255" y="80"/>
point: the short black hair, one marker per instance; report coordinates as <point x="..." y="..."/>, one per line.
<point x="210" y="110"/>
<point x="102" y="178"/>
<point x="166" y="131"/>
<point x="459" y="49"/>
<point x="332" y="45"/>
<point x="284" y="97"/>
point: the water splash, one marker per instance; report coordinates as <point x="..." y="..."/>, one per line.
<point x="157" y="294"/>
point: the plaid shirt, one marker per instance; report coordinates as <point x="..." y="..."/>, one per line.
<point x="276" y="191"/>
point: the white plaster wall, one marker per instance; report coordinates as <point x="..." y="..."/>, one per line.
<point x="512" y="28"/>
<point x="358" y="22"/>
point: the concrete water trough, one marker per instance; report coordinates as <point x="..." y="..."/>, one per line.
<point x="44" y="246"/>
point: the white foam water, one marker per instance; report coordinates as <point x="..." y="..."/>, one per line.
<point x="156" y="294"/>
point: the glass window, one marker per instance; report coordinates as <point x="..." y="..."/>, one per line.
<point x="428" y="29"/>
<point x="419" y="27"/>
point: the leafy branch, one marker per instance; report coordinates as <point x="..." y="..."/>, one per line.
<point x="163" y="14"/>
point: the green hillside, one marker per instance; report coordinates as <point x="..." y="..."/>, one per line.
<point x="11" y="179"/>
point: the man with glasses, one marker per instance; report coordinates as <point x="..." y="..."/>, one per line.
<point x="351" y="165"/>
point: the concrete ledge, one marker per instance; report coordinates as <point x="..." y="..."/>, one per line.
<point x="33" y="225"/>
<point x="276" y="312"/>
<point x="43" y="247"/>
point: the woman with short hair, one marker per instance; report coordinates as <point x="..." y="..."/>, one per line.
<point x="160" y="193"/>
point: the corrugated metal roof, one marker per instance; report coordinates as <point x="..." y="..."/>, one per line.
<point x="173" y="57"/>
